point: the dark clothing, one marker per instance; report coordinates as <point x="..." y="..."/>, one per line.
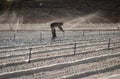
<point x="53" y="25"/>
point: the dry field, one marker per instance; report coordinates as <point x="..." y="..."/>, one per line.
<point x="75" y="55"/>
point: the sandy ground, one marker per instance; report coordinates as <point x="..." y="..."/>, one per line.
<point x="55" y="62"/>
<point x="66" y="26"/>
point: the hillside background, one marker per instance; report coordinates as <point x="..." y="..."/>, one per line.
<point x="42" y="11"/>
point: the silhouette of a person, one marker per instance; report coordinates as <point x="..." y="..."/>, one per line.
<point x="53" y="30"/>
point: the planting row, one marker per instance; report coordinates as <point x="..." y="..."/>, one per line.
<point x="68" y="69"/>
<point x="30" y="38"/>
<point x="55" y="59"/>
<point x="57" y="50"/>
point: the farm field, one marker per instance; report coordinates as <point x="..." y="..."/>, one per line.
<point x="59" y="39"/>
<point x="32" y="38"/>
<point x="79" y="54"/>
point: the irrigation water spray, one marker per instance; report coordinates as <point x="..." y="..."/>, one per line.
<point x="92" y="18"/>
